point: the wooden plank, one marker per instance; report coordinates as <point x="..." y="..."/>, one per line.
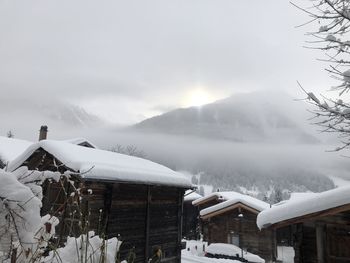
<point x="149" y="199"/>
<point x="320" y="238"/>
<point x="179" y="222"/>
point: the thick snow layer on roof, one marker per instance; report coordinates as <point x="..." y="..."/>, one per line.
<point x="190" y="195"/>
<point x="304" y="204"/>
<point x="234" y="198"/>
<point x="221" y="196"/>
<point x="78" y="141"/>
<point x="229" y="198"/>
<point x="105" y="165"/>
<point x="10" y="148"/>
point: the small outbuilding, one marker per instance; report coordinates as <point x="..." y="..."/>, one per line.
<point x="230" y="217"/>
<point x="116" y="195"/>
<point x="320" y="224"/>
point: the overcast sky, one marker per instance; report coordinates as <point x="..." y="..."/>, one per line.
<point x="128" y="60"/>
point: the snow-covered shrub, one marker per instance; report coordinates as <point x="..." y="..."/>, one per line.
<point x="25" y="236"/>
<point x="19" y="214"/>
<point x="86" y="248"/>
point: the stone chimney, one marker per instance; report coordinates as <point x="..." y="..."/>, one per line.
<point x="43" y="133"/>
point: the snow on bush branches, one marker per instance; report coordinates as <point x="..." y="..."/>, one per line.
<point x="19" y="214"/>
<point x="25" y="235"/>
<point x="85" y="248"/>
<point x="331" y="36"/>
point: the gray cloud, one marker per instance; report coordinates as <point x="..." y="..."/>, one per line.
<point x="150" y="50"/>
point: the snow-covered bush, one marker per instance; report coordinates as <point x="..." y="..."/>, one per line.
<point x="19" y="215"/>
<point x="85" y="248"/>
<point x="25" y="236"/>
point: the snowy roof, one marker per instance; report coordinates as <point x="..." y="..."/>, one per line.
<point x="190" y="195"/>
<point x="105" y="165"/>
<point x="10" y="148"/>
<point x="304" y="204"/>
<point x="220" y="196"/>
<point x="81" y="141"/>
<point x="229" y="199"/>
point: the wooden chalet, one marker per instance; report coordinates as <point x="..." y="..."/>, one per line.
<point x="190" y="228"/>
<point x="136" y="200"/>
<point x="230" y="217"/>
<point x="320" y="223"/>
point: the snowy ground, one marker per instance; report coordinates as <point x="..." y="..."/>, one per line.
<point x="188" y="257"/>
<point x="194" y="253"/>
<point x="285" y="254"/>
<point x="196" y="247"/>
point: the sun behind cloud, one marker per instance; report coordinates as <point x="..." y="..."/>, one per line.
<point x="197" y="97"/>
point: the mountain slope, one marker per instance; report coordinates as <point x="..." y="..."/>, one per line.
<point x="255" y="117"/>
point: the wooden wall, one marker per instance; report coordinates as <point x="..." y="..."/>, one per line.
<point x="262" y="243"/>
<point x="143" y="217"/>
<point x="323" y="239"/>
<point x="190" y="229"/>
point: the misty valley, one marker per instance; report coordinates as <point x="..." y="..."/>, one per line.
<point x="178" y="131"/>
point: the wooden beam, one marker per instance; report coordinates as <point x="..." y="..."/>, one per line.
<point x="179" y="221"/>
<point x="320" y="243"/>
<point x="107" y="203"/>
<point x="149" y="200"/>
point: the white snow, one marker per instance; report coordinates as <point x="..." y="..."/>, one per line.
<point x="191" y="196"/>
<point x="10" y="148"/>
<point x="228" y="199"/>
<point x="80" y="140"/>
<point x="232" y="250"/>
<point x="19" y="213"/>
<point x="105" y="165"/>
<point x="196" y="247"/>
<point x="339" y="182"/>
<point x="285" y="254"/>
<point x="86" y="248"/>
<point x="304" y="204"/>
<point x="195" y="253"/>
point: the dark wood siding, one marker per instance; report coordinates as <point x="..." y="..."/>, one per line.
<point x="190" y="228"/>
<point x="141" y="225"/>
<point x="330" y="243"/>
